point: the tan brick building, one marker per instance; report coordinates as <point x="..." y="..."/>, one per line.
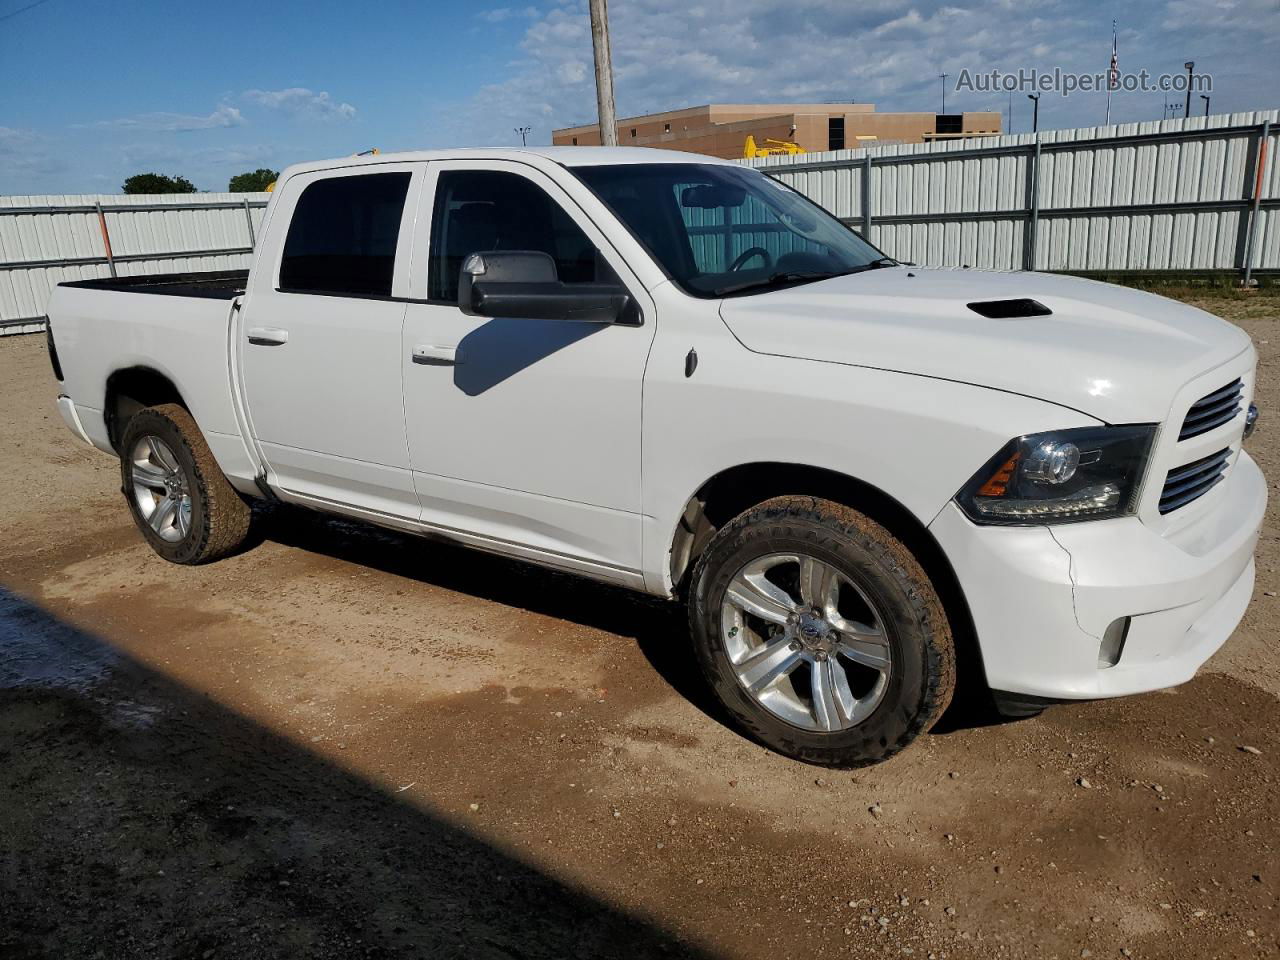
<point x="721" y="130"/>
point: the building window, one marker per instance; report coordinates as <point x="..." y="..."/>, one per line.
<point x="666" y="128"/>
<point x="835" y="133"/>
<point x="633" y="131"/>
<point x="950" y="123"/>
<point x="575" y="141"/>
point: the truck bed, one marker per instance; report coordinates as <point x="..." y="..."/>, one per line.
<point x="210" y="285"/>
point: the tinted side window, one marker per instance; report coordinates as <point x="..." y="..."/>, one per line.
<point x="481" y="210"/>
<point x="342" y="238"/>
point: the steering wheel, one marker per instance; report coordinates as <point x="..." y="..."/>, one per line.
<point x="747" y="254"/>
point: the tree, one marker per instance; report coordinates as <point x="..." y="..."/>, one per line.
<point x="255" y="182"/>
<point x="157" y="183"/>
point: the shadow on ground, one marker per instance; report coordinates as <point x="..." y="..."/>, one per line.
<point x="141" y="819"/>
<point x="659" y="628"/>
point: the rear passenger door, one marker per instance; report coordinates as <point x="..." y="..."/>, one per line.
<point x="321" y="339"/>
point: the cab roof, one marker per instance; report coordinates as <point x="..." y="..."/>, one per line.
<point x="565" y="156"/>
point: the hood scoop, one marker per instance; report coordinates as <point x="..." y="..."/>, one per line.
<point x="1010" y="309"/>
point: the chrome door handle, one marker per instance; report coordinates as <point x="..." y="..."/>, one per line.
<point x="432" y="354"/>
<point x="267" y="336"/>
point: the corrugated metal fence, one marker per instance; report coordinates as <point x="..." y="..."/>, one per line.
<point x="1197" y="195"/>
<point x="47" y="239"/>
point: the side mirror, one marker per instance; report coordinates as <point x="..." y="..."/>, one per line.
<point x="525" y="284"/>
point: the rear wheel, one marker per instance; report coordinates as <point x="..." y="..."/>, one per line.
<point x="178" y="496"/>
<point x="820" y="632"/>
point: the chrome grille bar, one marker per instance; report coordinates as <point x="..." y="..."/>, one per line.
<point x="1193" y="480"/>
<point x="1212" y="411"/>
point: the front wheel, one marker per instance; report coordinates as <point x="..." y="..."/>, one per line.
<point x="178" y="496"/>
<point x="820" y="632"/>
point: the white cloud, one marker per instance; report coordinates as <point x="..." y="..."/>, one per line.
<point x="670" y="54"/>
<point x="300" y="100"/>
<point x="223" y="116"/>
<point x="29" y="161"/>
<point x="500" y="14"/>
<point x="15" y="142"/>
<point x="22" y="150"/>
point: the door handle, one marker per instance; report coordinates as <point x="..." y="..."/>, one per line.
<point x="268" y="336"/>
<point x="434" y="355"/>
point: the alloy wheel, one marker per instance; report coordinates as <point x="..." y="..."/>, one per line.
<point x="161" y="489"/>
<point x="806" y="642"/>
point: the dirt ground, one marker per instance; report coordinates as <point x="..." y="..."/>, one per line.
<point x="347" y="743"/>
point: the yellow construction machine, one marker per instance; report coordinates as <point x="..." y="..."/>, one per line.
<point x="771" y="148"/>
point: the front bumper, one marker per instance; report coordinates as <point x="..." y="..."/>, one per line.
<point x="1042" y="597"/>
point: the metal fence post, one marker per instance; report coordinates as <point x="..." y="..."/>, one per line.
<point x="1033" y="207"/>
<point x="866" y="198"/>
<point x="248" y="220"/>
<point x="106" y="239"/>
<point x="1251" y="231"/>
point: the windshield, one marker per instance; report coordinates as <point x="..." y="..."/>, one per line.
<point x="721" y="230"/>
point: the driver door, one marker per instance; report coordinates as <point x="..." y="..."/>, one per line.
<point x="524" y="434"/>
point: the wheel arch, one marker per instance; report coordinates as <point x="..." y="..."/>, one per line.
<point x="131" y="389"/>
<point x="733" y="490"/>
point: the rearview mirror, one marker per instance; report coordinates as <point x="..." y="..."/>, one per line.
<point x="712" y="196"/>
<point x="525" y="284"/>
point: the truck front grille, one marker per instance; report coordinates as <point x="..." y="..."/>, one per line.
<point x="1193" y="480"/>
<point x="1212" y="411"/>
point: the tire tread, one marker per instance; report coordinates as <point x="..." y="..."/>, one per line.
<point x="226" y="516"/>
<point x="827" y="523"/>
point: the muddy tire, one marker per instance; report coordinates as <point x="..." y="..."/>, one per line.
<point x="820" y="633"/>
<point x="178" y="496"/>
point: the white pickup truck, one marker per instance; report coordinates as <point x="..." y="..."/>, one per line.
<point x="676" y="374"/>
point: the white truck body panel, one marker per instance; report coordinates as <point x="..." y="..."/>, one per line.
<point x="581" y="446"/>
<point x="327" y="406"/>
<point x="531" y="435"/>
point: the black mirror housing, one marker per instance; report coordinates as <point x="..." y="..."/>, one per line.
<point x="712" y="197"/>
<point x="525" y="284"/>
<point x="503" y="266"/>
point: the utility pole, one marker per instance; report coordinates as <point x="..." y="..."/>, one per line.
<point x="1206" y="104"/>
<point x="1035" y="112"/>
<point x="604" y="72"/>
<point x="943" y="78"/>
<point x="1191" y="66"/>
<point x="524" y="135"/>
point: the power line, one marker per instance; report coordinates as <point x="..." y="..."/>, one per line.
<point x="29" y="6"/>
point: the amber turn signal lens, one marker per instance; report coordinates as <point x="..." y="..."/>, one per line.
<point x="997" y="484"/>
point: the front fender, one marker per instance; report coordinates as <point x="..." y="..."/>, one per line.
<point x="917" y="439"/>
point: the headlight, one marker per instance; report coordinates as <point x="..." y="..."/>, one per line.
<point x="1084" y="474"/>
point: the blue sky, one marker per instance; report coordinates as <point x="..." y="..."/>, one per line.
<point x="91" y="92"/>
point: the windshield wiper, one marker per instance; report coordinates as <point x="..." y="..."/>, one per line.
<point x="775" y="280"/>
<point x="802" y="276"/>
<point x="880" y="264"/>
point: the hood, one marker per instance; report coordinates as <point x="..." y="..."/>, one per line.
<point x="1107" y="351"/>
